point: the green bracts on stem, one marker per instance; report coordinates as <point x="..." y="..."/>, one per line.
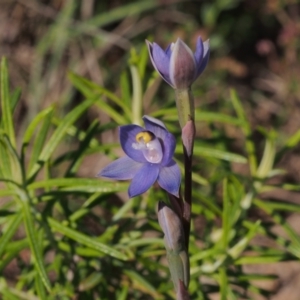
<point x="179" y="267"/>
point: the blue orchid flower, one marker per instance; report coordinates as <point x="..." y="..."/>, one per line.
<point x="149" y="158"/>
<point x="177" y="65"/>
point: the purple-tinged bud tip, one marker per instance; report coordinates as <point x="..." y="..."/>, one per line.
<point x="183" y="67"/>
<point x="171" y="226"/>
<point x="188" y="135"/>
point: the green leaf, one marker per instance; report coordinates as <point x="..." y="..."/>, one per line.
<point x="267" y="160"/>
<point x="117" y="14"/>
<point x="196" y="176"/>
<point x="40" y="139"/>
<point x="5" y="161"/>
<point x="14" y="98"/>
<point x="80" y="184"/>
<point x="245" y="126"/>
<point x="90" y="282"/>
<point x="123" y="210"/>
<point x="215" y="117"/>
<point x="137" y="97"/>
<point x="40" y="288"/>
<point x="261" y="259"/>
<point x="295" y="239"/>
<point x="12" y="226"/>
<point x="10" y="166"/>
<point x="7" y="120"/>
<point x="74" y="131"/>
<point x="143" y="60"/>
<point x="84" y="145"/>
<point x="91" y="89"/>
<point x="293" y="141"/>
<point x="125" y="89"/>
<point x="216" y="153"/>
<point x="142" y="284"/>
<point x="58" y="135"/>
<point x="208" y="203"/>
<point x="34" y="245"/>
<point x="85" y="240"/>
<point x="13" y="250"/>
<point x="123" y="293"/>
<point x="223" y="283"/>
<point x="11" y="293"/>
<point x="169" y="114"/>
<point x="225" y="215"/>
<point x="279" y="205"/>
<point x="241" y="245"/>
<point x="109" y="110"/>
<point x="34" y="123"/>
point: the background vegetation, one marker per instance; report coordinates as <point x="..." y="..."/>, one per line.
<point x="75" y="68"/>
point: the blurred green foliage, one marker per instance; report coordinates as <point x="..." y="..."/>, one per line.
<point x="68" y="235"/>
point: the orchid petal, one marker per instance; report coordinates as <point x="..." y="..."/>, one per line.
<point x="123" y="168"/>
<point x="143" y="179"/>
<point x="128" y="138"/>
<point x="168" y="51"/>
<point x="169" y="144"/>
<point x="199" y="51"/>
<point x="169" y="178"/>
<point x="160" y="60"/>
<point x="206" y="53"/>
<point x="157" y="127"/>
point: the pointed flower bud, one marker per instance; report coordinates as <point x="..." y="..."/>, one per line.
<point x="175" y="245"/>
<point x="171" y="226"/>
<point x="188" y="135"/>
<point x="178" y="65"/>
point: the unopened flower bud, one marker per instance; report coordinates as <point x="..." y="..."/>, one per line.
<point x="178" y="65"/>
<point x="175" y="245"/>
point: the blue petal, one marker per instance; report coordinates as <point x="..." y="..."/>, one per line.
<point x="169" y="178"/>
<point x="143" y="179"/>
<point x="205" y="58"/>
<point x="156" y="126"/>
<point x="169" y="144"/>
<point x="160" y="60"/>
<point x="123" y="168"/>
<point x="199" y="51"/>
<point x="168" y="51"/>
<point x="127" y="138"/>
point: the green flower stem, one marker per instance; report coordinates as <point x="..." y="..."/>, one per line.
<point x="187" y="205"/>
<point x="186" y="114"/>
<point x="137" y="95"/>
<point x="185" y="106"/>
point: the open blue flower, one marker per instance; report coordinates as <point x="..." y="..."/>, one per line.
<point x="177" y="65"/>
<point x="149" y="158"/>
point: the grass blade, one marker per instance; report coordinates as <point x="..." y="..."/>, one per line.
<point x="85" y="240"/>
<point x="58" y="135"/>
<point x="11" y="229"/>
<point x="40" y="139"/>
<point x="7" y="120"/>
<point x="34" y="246"/>
<point x="80" y="184"/>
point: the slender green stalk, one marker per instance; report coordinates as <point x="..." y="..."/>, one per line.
<point x="186" y="113"/>
<point x="185" y="106"/>
<point x="137" y="95"/>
